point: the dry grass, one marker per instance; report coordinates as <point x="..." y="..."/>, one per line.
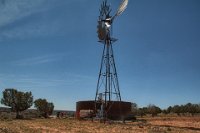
<point x="145" y="125"/>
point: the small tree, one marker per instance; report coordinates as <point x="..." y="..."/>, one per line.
<point x="176" y="109"/>
<point x="17" y="100"/>
<point x="153" y="110"/>
<point x="164" y="111"/>
<point x="141" y="112"/>
<point x="192" y="108"/>
<point x="44" y="107"/>
<point x="169" y="109"/>
<point x="50" y="107"/>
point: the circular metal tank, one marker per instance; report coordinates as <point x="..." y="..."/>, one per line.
<point x="116" y="110"/>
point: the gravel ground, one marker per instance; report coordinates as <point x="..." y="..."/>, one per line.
<point x="145" y="125"/>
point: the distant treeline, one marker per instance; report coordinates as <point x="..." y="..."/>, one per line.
<point x="154" y="110"/>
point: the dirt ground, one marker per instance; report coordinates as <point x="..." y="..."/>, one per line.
<point x="145" y="125"/>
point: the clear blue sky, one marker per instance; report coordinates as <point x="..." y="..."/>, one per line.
<point x="49" y="47"/>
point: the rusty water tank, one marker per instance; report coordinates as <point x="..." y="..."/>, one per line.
<point x="116" y="109"/>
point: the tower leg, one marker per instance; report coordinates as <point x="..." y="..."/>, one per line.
<point x="107" y="89"/>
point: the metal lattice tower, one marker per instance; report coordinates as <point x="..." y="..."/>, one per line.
<point x="108" y="85"/>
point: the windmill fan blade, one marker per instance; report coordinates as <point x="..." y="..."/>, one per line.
<point x="122" y="7"/>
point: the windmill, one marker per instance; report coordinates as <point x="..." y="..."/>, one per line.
<point x="107" y="103"/>
<point x="107" y="91"/>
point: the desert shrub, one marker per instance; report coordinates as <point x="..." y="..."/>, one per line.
<point x="5" y="116"/>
